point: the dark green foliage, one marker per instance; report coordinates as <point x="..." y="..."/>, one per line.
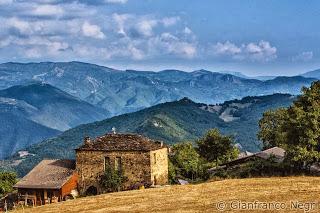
<point x="7" y="180"/>
<point x="303" y="126"/>
<point x="112" y="179"/>
<point x="271" y="128"/>
<point x="216" y="147"/>
<point x="172" y="173"/>
<point x="186" y="162"/>
<point x="256" y="168"/>
<point x="263" y="168"/>
<point x="297" y="128"/>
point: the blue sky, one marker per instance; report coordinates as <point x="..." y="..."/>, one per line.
<point x="255" y="37"/>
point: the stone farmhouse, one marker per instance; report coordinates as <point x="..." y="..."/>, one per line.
<point x="144" y="162"/>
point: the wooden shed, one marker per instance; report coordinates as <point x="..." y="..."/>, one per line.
<point x="49" y="182"/>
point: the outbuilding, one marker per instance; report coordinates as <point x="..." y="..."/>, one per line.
<point x="49" y="182"/>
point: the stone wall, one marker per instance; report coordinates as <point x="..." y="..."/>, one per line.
<point x="90" y="167"/>
<point x="159" y="166"/>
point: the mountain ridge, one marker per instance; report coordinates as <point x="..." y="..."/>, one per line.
<point x="126" y="91"/>
<point x="171" y="122"/>
<point x="43" y="108"/>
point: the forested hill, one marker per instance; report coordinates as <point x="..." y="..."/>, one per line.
<point x="171" y="122"/>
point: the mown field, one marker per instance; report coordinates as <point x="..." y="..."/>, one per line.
<point x="292" y="194"/>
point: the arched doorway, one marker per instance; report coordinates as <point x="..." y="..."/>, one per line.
<point x="92" y="191"/>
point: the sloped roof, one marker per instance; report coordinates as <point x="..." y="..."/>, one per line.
<point x="48" y="174"/>
<point x="277" y="152"/>
<point x="274" y="151"/>
<point x="122" y="142"/>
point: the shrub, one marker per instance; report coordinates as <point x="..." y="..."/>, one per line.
<point x="113" y="179"/>
<point x="7" y="180"/>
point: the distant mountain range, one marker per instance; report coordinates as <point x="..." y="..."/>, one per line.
<point x="34" y="112"/>
<point x="312" y="74"/>
<point x="171" y="122"/>
<point x="41" y="100"/>
<point x="127" y="91"/>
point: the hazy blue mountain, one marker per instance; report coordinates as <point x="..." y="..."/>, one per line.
<point x="17" y="130"/>
<point x="171" y="122"/>
<point x="312" y="74"/>
<point x="127" y="91"/>
<point x="264" y="77"/>
<point x="238" y="74"/>
<point x="31" y="113"/>
<point x="54" y="108"/>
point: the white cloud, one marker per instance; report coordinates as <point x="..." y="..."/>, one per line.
<point x="170" y="21"/>
<point x="91" y="30"/>
<point x="120" y="20"/>
<point x="5" y="2"/>
<point x="145" y="26"/>
<point x="261" y="51"/>
<point x="167" y="43"/>
<point x="187" y="30"/>
<point x="6" y="41"/>
<point x="136" y="53"/>
<point x="304" y="56"/>
<point x="47" y="10"/>
<point x="226" y="48"/>
<point x="23" y="27"/>
<point x="116" y="1"/>
<point x="32" y="53"/>
<point x="136" y="26"/>
<point x="34" y="47"/>
<point x="50" y="29"/>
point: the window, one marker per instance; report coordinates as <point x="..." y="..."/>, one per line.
<point x="117" y="164"/>
<point x="106" y="162"/>
<point x="155" y="158"/>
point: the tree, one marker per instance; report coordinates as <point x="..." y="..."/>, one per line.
<point x="113" y="179"/>
<point x="303" y="126"/>
<point x="7" y="180"/>
<point x="271" y="124"/>
<point x="297" y="128"/>
<point x="186" y="161"/>
<point x="216" y="147"/>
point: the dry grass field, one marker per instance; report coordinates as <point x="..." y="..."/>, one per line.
<point x="293" y="194"/>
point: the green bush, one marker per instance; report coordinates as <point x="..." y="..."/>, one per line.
<point x="112" y="179"/>
<point x="256" y="168"/>
<point x="7" y="180"/>
<point x="186" y="163"/>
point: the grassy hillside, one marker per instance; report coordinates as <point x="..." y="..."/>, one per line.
<point x="171" y="122"/>
<point x="198" y="198"/>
